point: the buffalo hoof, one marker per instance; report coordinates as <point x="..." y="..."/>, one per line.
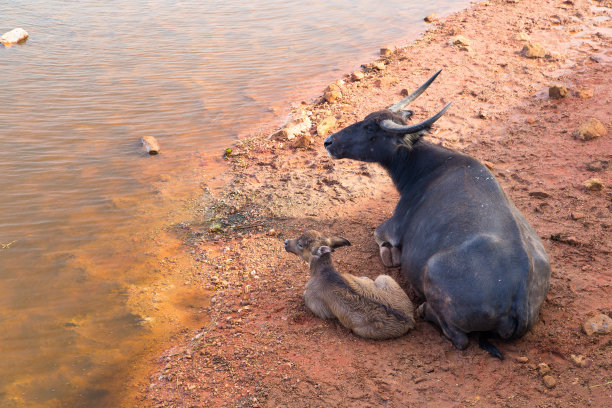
<point x="390" y="255"/>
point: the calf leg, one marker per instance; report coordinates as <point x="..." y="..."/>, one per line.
<point x="456" y="336"/>
<point x="390" y="253"/>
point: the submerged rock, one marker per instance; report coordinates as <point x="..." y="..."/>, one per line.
<point x="14" y="36"/>
<point x="431" y="18"/>
<point x="150" y="143"/>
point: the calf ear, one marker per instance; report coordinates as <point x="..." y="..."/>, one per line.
<point x="336" y="242"/>
<point x="322" y="250"/>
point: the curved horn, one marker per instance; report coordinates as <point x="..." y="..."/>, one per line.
<point x="393" y="127"/>
<point x="404" y="102"/>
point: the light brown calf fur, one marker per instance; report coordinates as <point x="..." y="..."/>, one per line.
<point x="377" y="309"/>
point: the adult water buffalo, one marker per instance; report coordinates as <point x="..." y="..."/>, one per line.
<point x="462" y="244"/>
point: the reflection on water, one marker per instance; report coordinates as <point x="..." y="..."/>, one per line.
<point x="82" y="292"/>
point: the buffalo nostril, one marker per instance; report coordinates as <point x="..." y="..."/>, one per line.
<point x="286" y="242"/>
<point x="327" y="142"/>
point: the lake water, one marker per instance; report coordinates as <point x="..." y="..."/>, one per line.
<point x="83" y="209"/>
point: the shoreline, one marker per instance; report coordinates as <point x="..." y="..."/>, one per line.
<point x="259" y="351"/>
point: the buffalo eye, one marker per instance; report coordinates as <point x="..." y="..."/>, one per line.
<point x="370" y="128"/>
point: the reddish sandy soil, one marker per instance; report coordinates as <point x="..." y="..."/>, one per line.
<point x="264" y="348"/>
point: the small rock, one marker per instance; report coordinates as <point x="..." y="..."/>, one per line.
<point x="522" y="359"/>
<point x="386" y="82"/>
<point x="489" y="165"/>
<point x="14" y="36"/>
<point x="594" y="184"/>
<point x="387" y="50"/>
<point x="530" y="120"/>
<point x="303" y="141"/>
<point x="549" y="381"/>
<point x="584" y="93"/>
<point x="332" y="96"/>
<point x="579" y="361"/>
<point x="539" y="194"/>
<point x="483" y="114"/>
<point x="534" y="50"/>
<point x="591" y="130"/>
<point x="557" y="92"/>
<point x="543" y="369"/>
<point x="357" y="76"/>
<point x="299" y="124"/>
<point x="599" y="324"/>
<point x="522" y="36"/>
<point x="379" y="65"/>
<point x="431" y="18"/>
<point x="596" y="165"/>
<point x="460" y="42"/>
<point x="404" y="92"/>
<point x="577" y="215"/>
<point x="326" y="125"/>
<point x="150" y="143"/>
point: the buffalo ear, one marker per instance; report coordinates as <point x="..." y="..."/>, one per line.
<point x="322" y="250"/>
<point x="336" y="242"/>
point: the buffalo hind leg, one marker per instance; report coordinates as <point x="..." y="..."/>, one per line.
<point x="390" y="254"/>
<point x="457" y="337"/>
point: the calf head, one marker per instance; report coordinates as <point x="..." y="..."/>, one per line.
<point x="308" y="243"/>
<point x="380" y="134"/>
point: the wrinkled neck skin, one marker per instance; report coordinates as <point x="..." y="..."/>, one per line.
<point x="403" y="164"/>
<point x="321" y="264"/>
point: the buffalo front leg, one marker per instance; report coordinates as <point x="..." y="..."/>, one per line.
<point x="390" y="252"/>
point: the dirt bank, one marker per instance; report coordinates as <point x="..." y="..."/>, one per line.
<point x="262" y="347"/>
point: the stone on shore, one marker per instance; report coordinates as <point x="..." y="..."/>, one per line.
<point x="549" y="381"/>
<point x="584" y="93"/>
<point x="387" y="50"/>
<point x="591" y="130"/>
<point x="326" y="125"/>
<point x="460" y="42"/>
<point x="594" y="184"/>
<point x="431" y="18"/>
<point x="332" y="93"/>
<point x="534" y="50"/>
<point x="299" y="124"/>
<point x="379" y="65"/>
<point x="522" y="36"/>
<point x="357" y="76"/>
<point x="150" y="143"/>
<point x="557" y="92"/>
<point x="598" y="324"/>
<point x="14" y="36"/>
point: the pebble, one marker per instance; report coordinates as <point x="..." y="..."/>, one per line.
<point x="379" y="65"/>
<point x="460" y="42"/>
<point x="386" y="50"/>
<point x="598" y="324"/>
<point x="357" y="76"/>
<point x="543" y="369"/>
<point x="522" y="359"/>
<point x="594" y="184"/>
<point x="591" y="129"/>
<point x="557" y="92"/>
<point x="577" y="215"/>
<point x="539" y="194"/>
<point x="522" y="36"/>
<point x="534" y="50"/>
<point x="430" y="18"/>
<point x="326" y="125"/>
<point x="549" y="381"/>
<point x="579" y="361"/>
<point x="584" y="93"/>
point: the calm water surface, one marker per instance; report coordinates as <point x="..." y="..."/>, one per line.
<point x="82" y="208"/>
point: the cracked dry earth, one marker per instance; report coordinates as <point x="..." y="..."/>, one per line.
<point x="263" y="348"/>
